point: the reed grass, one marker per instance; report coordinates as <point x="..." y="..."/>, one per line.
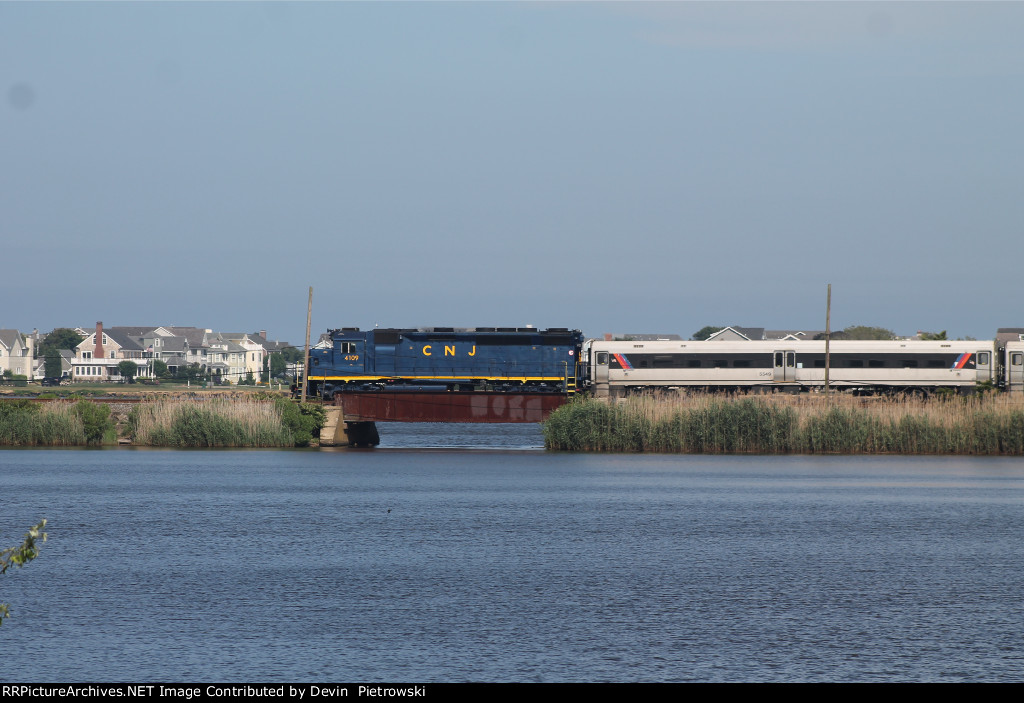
<point x="783" y="424"/>
<point x="209" y="423"/>
<point x="51" y="425"/>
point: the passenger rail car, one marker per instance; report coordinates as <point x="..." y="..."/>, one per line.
<point x="502" y="359"/>
<point x="618" y="367"/>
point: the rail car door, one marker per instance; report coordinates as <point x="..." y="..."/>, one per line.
<point x="1014" y="365"/>
<point x="984" y="365"/>
<point x="599" y="363"/>
<point x="784" y="364"/>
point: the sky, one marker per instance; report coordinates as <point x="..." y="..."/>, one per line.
<point x="612" y="167"/>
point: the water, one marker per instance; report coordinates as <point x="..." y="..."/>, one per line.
<point x="439" y="564"/>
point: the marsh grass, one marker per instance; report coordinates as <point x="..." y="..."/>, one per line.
<point x="209" y="423"/>
<point x="51" y="425"/>
<point x="783" y="424"/>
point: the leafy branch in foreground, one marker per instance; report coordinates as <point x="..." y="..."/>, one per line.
<point x="19" y="556"/>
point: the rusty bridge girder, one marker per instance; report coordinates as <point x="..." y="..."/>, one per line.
<point x="447" y="407"/>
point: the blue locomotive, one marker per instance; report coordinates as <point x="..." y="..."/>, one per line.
<point x="440" y="359"/>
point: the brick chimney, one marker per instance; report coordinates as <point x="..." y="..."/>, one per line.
<point x="98" y="350"/>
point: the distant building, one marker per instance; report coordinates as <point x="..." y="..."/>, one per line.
<point x="1010" y="334"/>
<point x="641" y="337"/>
<point x="16" y="352"/>
<point x="98" y="355"/>
<point x="737" y="333"/>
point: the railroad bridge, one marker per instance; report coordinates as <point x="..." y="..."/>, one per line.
<point x="352" y="417"/>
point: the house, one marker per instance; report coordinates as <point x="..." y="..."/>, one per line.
<point x="98" y="355"/>
<point x="16" y="351"/>
<point x="157" y="343"/>
<point x="641" y="337"/>
<point x="1010" y="334"/>
<point x="737" y="333"/>
<point x="797" y="335"/>
<point x="66" y="357"/>
<point x="252" y="351"/>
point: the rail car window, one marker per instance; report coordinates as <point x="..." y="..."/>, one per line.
<point x="347" y="347"/>
<point x="602" y="358"/>
<point x="1017" y="359"/>
<point x="855" y="363"/>
<point x="721" y="363"/>
<point x="741" y="364"/>
<point x="909" y="363"/>
<point x="778" y="358"/>
<point x="937" y="364"/>
<point x="693" y="363"/>
<point x="876" y="363"/>
<point x="982" y="358"/>
<point x="819" y="363"/>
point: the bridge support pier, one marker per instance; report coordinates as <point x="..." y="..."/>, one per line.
<point x="338" y="433"/>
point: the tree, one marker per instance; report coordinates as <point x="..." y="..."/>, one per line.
<point x="192" y="372"/>
<point x="160" y="369"/>
<point x="128" y="369"/>
<point x="934" y="336"/>
<point x="293" y="354"/>
<point x="19" y="556"/>
<point x="706" y="331"/>
<point x="278" y="365"/>
<point x="865" y="332"/>
<point x="96" y="421"/>
<point x="52" y="364"/>
<point x="60" y="338"/>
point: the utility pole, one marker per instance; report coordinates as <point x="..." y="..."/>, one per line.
<point x="305" y="364"/>
<point x="828" y="335"/>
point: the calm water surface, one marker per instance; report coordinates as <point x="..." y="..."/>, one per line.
<point x="429" y="561"/>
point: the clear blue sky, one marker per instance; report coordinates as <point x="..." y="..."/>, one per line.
<point x="624" y="167"/>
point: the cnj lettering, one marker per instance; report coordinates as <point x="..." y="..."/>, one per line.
<point x="449" y="350"/>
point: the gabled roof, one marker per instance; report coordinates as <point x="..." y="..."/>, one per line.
<point x="647" y="337"/>
<point x="173" y="344"/>
<point x="747" y="333"/>
<point x="122" y="340"/>
<point x="795" y="334"/>
<point x="11" y="339"/>
<point x="196" y="336"/>
<point x="132" y="331"/>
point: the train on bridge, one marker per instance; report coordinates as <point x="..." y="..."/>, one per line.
<point x="520" y="360"/>
<point x="560" y="361"/>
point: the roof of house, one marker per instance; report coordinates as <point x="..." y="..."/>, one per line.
<point x="10" y="338"/>
<point x="795" y="334"/>
<point x="131" y="331"/>
<point x="195" y="335"/>
<point x="647" y="337"/>
<point x="744" y="332"/>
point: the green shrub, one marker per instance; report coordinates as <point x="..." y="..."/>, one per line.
<point x="96" y="422"/>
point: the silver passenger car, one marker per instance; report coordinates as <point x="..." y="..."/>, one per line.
<point x="618" y="367"/>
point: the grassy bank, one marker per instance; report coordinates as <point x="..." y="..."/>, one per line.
<point x="211" y="422"/>
<point x="238" y="422"/>
<point x="60" y="424"/>
<point x="778" y="424"/>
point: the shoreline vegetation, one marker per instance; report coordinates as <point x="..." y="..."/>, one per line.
<point x="240" y="422"/>
<point x="986" y="424"/>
